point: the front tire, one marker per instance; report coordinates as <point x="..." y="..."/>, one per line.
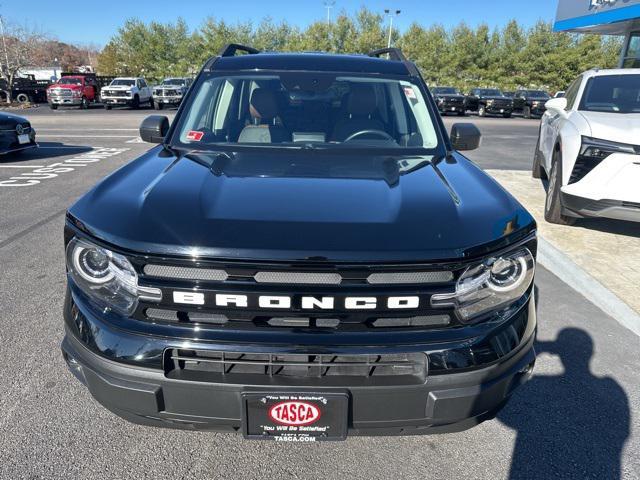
<point x="135" y="104"/>
<point x="151" y="102"/>
<point x="507" y="115"/>
<point x="53" y="107"/>
<point x="84" y="103"/>
<point x="22" y="98"/>
<point x="157" y="106"/>
<point x="482" y="111"/>
<point x="553" y="203"/>
<point x="526" y="112"/>
<point x="107" y="107"/>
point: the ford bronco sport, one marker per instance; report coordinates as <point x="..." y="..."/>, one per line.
<point x="303" y="256"/>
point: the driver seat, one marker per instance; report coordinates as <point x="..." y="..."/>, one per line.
<point x="361" y="104"/>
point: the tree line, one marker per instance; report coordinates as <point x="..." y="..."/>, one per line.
<point x="461" y="56"/>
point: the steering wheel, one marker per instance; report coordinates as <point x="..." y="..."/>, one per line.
<point x="382" y="134"/>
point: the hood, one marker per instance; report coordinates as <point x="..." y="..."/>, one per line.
<point x="448" y="95"/>
<point x="55" y="86"/>
<point x="495" y="97"/>
<point x="617" y="127"/>
<point x="301" y="206"/>
<point x="119" y="87"/>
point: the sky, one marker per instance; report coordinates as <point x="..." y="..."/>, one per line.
<point x="96" y="21"/>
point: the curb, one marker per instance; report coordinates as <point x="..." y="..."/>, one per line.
<point x="566" y="270"/>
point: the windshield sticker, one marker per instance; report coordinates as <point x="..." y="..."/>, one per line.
<point x="408" y="91"/>
<point x="195" y="136"/>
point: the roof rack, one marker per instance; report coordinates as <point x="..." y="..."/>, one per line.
<point x="394" y="54"/>
<point x="230" y="50"/>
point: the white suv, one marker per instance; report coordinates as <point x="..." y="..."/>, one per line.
<point x="589" y="147"/>
<point x="132" y="92"/>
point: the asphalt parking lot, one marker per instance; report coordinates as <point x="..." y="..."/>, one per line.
<point x="579" y="417"/>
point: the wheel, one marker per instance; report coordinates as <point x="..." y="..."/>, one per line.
<point x="22" y="98"/>
<point x="136" y="102"/>
<point x="462" y="114"/>
<point x="107" y="107"/>
<point x="157" y="106"/>
<point x="482" y="111"/>
<point x="53" y="107"/>
<point x="84" y="103"/>
<point x="553" y="203"/>
<point x="507" y="115"/>
<point x="526" y="112"/>
<point x="536" y="170"/>
<point x="151" y="102"/>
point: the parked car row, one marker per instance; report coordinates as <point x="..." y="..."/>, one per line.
<point x="82" y="90"/>
<point x="491" y="101"/>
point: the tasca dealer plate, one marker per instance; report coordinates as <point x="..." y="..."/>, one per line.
<point x="295" y="417"/>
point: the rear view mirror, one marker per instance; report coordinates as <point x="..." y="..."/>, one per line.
<point x="154" y="128"/>
<point x="465" y="136"/>
<point x="556" y="104"/>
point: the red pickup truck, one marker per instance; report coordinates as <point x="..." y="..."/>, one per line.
<point x="77" y="90"/>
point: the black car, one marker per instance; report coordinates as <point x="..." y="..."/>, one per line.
<point x="489" y="101"/>
<point x="16" y="134"/>
<point x="449" y="100"/>
<point x="530" y="102"/>
<point x="304" y="255"/>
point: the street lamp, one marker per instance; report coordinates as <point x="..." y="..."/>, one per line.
<point x="390" y="13"/>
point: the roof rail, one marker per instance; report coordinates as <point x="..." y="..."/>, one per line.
<point x="397" y="55"/>
<point x="230" y="50"/>
<point x="394" y="54"/>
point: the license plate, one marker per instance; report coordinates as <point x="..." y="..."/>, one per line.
<point x="295" y="417"/>
<point x="24" y="138"/>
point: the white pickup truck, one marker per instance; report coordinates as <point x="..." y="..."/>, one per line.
<point x="129" y="91"/>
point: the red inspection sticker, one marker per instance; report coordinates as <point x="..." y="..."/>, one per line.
<point x="195" y="136"/>
<point x="294" y="413"/>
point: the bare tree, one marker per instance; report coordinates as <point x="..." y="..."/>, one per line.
<point x="18" y="48"/>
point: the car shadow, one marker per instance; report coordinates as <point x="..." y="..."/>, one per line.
<point x="45" y="150"/>
<point x="568" y="425"/>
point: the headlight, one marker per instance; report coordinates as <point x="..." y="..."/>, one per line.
<point x="600" y="149"/>
<point x="489" y="102"/>
<point x="106" y="277"/>
<point x="490" y="286"/>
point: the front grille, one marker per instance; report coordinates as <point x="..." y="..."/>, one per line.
<point x="116" y="93"/>
<point x="332" y="368"/>
<point x="260" y="321"/>
<point x="582" y="167"/>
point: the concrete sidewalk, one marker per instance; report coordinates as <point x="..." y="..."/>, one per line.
<point x="607" y="250"/>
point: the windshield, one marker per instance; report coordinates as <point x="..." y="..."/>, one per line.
<point x="307" y="110"/>
<point x="174" y="81"/>
<point x="612" y="93"/>
<point x="490" y="92"/>
<point x="445" y="90"/>
<point x="123" y="82"/>
<point x="70" y="81"/>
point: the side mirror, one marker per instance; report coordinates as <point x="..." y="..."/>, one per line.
<point x="154" y="128"/>
<point x="465" y="136"/>
<point x="557" y="104"/>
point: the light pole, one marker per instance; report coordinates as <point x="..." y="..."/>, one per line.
<point x="328" y="4"/>
<point x="391" y="13"/>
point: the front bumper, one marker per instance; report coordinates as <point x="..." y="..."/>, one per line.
<point x="445" y="402"/>
<point x="451" y="107"/>
<point x="609" y="190"/>
<point x="71" y="101"/>
<point x="498" y="109"/>
<point x="117" y="100"/>
<point x="167" y="100"/>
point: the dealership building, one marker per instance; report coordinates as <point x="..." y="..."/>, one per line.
<point x="605" y="17"/>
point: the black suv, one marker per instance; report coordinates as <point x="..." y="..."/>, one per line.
<point x="449" y="100"/>
<point x="304" y="255"/>
<point x="489" y="101"/>
<point x="530" y="102"/>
